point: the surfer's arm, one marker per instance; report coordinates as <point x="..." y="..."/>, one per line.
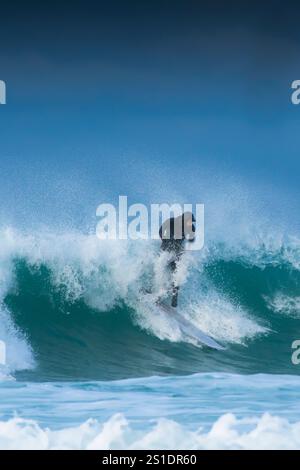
<point x="191" y="236"/>
<point x="166" y="230"/>
<point x="161" y="231"/>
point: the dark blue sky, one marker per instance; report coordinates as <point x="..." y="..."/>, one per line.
<point x="122" y="97"/>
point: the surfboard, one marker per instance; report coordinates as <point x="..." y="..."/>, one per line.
<point x="190" y="330"/>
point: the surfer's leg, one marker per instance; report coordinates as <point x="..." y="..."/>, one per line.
<point x="175" y="287"/>
<point x="175" y="291"/>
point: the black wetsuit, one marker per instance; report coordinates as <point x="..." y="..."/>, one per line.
<point x="174" y="242"/>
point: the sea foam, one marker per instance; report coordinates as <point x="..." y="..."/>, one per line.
<point x="228" y="432"/>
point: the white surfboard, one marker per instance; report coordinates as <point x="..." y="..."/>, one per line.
<point x="188" y="329"/>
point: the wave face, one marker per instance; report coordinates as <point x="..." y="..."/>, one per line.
<point x="75" y="308"/>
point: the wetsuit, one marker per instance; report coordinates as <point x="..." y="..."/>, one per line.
<point x="173" y="238"/>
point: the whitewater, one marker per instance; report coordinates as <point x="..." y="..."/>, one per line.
<point x="193" y="412"/>
<point x="86" y="351"/>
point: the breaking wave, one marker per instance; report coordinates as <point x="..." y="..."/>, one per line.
<point x="73" y="307"/>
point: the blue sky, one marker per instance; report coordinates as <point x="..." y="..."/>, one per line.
<point x="126" y="98"/>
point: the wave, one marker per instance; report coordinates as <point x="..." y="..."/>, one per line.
<point x="211" y="410"/>
<point x="73" y="307"/>
<point x="228" y="432"/>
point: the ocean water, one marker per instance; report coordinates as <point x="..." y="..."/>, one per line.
<point x="91" y="364"/>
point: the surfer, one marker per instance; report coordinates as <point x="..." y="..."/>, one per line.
<point x="174" y="233"/>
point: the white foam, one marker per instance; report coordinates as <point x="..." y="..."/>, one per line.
<point x="18" y="353"/>
<point x="223" y="320"/>
<point x="284" y="305"/>
<point x="228" y="432"/>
